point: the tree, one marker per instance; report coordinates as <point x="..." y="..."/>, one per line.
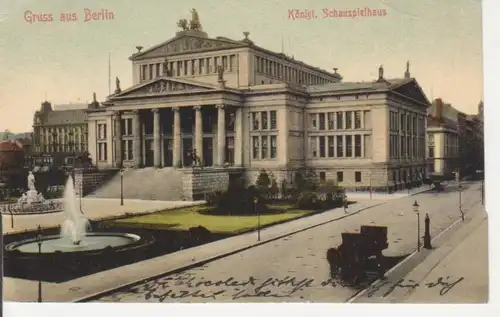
<point x="263" y="183"/>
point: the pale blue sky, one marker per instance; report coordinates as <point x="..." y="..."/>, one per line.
<point x="69" y="61"/>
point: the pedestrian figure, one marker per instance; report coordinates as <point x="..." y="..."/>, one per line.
<point x="345" y="204"/>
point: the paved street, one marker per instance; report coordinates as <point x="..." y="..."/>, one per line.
<point x="294" y="268"/>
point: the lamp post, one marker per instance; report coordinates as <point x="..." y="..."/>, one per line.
<point x="408" y="184"/>
<point x="121" y="187"/>
<point x="257" y="211"/>
<point x="460" y="200"/>
<point x="482" y="192"/>
<point x="415" y="208"/>
<point x="39" y="242"/>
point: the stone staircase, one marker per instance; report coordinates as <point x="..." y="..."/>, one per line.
<point x="145" y="183"/>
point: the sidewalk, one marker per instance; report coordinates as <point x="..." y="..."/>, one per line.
<point x="467" y="260"/>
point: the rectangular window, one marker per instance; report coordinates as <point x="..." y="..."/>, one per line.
<point x="357" y="145"/>
<point x="322" y="121"/>
<point x="264" y="147"/>
<point x="431" y="151"/>
<point x="130" y="150"/>
<point x="402" y="122"/>
<point x="274" y="146"/>
<point x="314" y="146"/>
<point x="158" y="69"/>
<point x="331" y="149"/>
<point x="348" y="120"/>
<point x="357" y="120"/>
<point x="101" y="131"/>
<point x="255" y="121"/>
<point x="230" y="150"/>
<point x="150" y="71"/>
<point x="144" y="70"/>
<point x="340" y="146"/>
<point x="273" y="120"/>
<point x="357" y="177"/>
<point x="322" y="176"/>
<point x="331" y="120"/>
<point x="255" y="147"/>
<point x="348" y="143"/>
<point x="103" y="151"/>
<point x="322" y="148"/>
<point x="312" y="120"/>
<point x="263" y="115"/>
<point x="340" y="121"/>
<point x="128" y="127"/>
<point x="340" y="177"/>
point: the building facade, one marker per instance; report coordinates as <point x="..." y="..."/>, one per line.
<point x="59" y="136"/>
<point x="243" y="108"/>
<point x="443" y="137"/>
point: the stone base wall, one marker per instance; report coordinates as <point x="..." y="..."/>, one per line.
<point x="87" y="181"/>
<point x="196" y="183"/>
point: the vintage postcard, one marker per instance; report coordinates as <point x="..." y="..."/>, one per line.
<point x="243" y="152"/>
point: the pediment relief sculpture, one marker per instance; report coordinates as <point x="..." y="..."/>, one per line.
<point x="163" y="86"/>
<point x="188" y="44"/>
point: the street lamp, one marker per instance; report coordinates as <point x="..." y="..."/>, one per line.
<point x="408" y="184"/>
<point x="460" y="200"/>
<point x="415" y="209"/>
<point x="121" y="187"/>
<point x="257" y="211"/>
<point x="39" y="242"/>
<point x="482" y="192"/>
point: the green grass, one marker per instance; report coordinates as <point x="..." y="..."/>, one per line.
<point x="185" y="218"/>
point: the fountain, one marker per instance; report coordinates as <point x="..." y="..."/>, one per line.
<point x="75" y="234"/>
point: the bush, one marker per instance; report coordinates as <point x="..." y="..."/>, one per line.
<point x="307" y="200"/>
<point x="237" y="199"/>
<point x="214" y="197"/>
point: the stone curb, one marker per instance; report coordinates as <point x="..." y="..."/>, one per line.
<point x="415" y="259"/>
<point x="214" y="258"/>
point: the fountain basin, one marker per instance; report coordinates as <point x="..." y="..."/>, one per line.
<point x="91" y="242"/>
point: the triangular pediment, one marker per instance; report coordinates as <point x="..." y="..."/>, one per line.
<point x="412" y="90"/>
<point x="187" y="43"/>
<point x="163" y="86"/>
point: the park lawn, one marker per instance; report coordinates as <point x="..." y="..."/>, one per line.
<point x="185" y="218"/>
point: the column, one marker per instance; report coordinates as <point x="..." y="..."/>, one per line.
<point x="137" y="138"/>
<point x="344" y="145"/>
<point x="118" y="140"/>
<point x="362" y="136"/>
<point x="177" y="138"/>
<point x="198" y="132"/>
<point x="221" y="135"/>
<point x="156" y="138"/>
<point x="238" y="139"/>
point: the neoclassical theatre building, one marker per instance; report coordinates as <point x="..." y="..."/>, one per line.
<point x="243" y="108"/>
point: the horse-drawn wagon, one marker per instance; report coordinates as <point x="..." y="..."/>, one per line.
<point x="358" y="252"/>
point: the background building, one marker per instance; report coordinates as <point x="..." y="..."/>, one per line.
<point x="244" y="109"/>
<point x="59" y="135"/>
<point x="455" y="141"/>
<point x="443" y="140"/>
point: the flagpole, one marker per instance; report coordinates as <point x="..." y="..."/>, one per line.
<point x="109" y="73"/>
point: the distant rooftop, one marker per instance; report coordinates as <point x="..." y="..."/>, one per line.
<point x="70" y="106"/>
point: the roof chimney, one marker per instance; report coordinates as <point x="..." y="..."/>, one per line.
<point x="439" y="109"/>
